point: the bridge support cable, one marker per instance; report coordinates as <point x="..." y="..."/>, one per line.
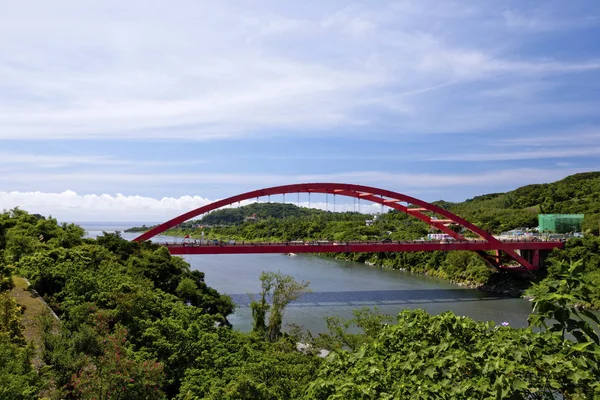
<point x="372" y="194"/>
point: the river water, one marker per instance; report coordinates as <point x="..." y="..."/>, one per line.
<point x="338" y="287"/>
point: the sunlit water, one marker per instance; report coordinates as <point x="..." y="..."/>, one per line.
<point x="338" y="287"/>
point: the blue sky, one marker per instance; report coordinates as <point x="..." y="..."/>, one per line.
<point x="140" y="110"/>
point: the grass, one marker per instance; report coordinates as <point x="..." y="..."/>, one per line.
<point x="33" y="307"/>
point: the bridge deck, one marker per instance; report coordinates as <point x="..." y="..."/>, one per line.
<point x="352" y="247"/>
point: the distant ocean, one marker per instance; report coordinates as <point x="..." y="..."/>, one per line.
<point x="110" y="226"/>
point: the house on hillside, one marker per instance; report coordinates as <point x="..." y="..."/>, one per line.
<point x="370" y="222"/>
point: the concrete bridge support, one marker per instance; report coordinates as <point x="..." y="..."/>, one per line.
<point x="537" y="257"/>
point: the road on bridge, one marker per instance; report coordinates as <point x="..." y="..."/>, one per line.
<point x="351" y="247"/>
<point x="436" y="217"/>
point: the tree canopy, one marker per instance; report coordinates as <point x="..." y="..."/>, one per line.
<point x="138" y="323"/>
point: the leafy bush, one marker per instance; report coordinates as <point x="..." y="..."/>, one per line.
<point x="448" y="356"/>
<point x="18" y="378"/>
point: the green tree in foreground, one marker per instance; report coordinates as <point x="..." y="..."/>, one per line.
<point x="115" y="374"/>
<point x="6" y="282"/>
<point x="447" y="356"/>
<point x="557" y="298"/>
<point x="10" y="318"/>
<point x="281" y="290"/>
<point x="370" y="321"/>
<point x="18" y="378"/>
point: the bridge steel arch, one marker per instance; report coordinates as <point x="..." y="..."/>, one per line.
<point x="380" y="196"/>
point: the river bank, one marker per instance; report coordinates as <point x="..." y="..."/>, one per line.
<point x="465" y="269"/>
<point x="339" y="287"/>
<point x="497" y="282"/>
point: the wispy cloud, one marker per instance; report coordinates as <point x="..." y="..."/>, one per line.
<point x="36" y="161"/>
<point x="587" y="136"/>
<point x="70" y="206"/>
<point x="213" y="98"/>
<point x="393" y="181"/>
<point x="230" y="71"/>
<point x="533" y="154"/>
<point x="545" y="18"/>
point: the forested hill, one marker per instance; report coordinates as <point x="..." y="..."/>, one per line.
<point x="261" y="211"/>
<point x="496" y="212"/>
<point x="138" y="323"/>
<point x="575" y="194"/>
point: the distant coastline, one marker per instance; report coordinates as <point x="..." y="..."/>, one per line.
<point x="123" y="226"/>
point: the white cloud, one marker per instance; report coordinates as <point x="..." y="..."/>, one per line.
<point x="388" y="180"/>
<point x="544" y="18"/>
<point x="36" y="161"/>
<point x="50" y="161"/>
<point x="348" y="21"/>
<point x="589" y="137"/>
<point x="533" y="154"/>
<point x="203" y="70"/>
<point x="70" y="206"/>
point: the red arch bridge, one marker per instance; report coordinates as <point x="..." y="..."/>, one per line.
<point x="502" y="254"/>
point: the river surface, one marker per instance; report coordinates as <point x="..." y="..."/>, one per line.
<point x="338" y="287"/>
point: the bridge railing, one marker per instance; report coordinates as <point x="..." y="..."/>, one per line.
<point x="193" y="243"/>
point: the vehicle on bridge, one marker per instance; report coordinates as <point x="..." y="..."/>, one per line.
<point x="439" y="236"/>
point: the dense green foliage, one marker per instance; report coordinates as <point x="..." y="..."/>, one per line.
<point x="448" y="356"/>
<point x="493" y="212"/>
<point x="351" y="333"/>
<point x="452" y="357"/>
<point x="586" y="251"/>
<point x="18" y="378"/>
<point x="557" y="299"/>
<point x="137" y="323"/>
<point x="229" y="216"/>
<point x="575" y="194"/>
<point x="281" y="290"/>
<point x="316" y="225"/>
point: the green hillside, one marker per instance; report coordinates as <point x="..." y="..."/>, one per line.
<point x="496" y="212"/>
<point x="575" y="194"/>
<point x="138" y="323"/>
<point x="227" y="216"/>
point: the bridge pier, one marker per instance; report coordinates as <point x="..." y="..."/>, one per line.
<point x="537" y="257"/>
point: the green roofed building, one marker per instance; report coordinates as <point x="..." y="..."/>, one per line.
<point x="560" y="223"/>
